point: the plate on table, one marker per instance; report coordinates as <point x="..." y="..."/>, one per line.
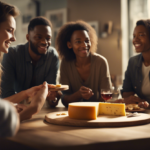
<point x="61" y="88"/>
<point x="136" y="110"/>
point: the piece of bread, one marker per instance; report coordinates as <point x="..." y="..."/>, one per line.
<point x="52" y="86"/>
<point x="132" y="107"/>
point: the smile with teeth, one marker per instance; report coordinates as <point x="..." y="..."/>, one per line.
<point x="7" y="44"/>
<point x="84" y="50"/>
<point x="137" y="45"/>
<point x="43" y="47"/>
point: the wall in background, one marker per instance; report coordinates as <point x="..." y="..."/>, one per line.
<point x="89" y="10"/>
<point x="27" y="11"/>
<point x="51" y="5"/>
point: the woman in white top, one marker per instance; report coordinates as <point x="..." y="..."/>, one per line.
<point x="9" y="118"/>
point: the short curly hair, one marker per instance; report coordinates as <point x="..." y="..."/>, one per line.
<point x="40" y="20"/>
<point x="65" y="34"/>
<point x="7" y="9"/>
<point x="145" y="23"/>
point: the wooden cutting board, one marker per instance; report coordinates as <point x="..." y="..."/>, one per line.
<point x="102" y="120"/>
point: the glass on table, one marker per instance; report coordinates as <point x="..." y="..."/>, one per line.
<point x="106" y="94"/>
<point x="116" y="93"/>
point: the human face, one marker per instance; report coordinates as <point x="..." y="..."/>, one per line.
<point x="7" y="29"/>
<point x="141" y="39"/>
<point x="80" y="43"/>
<point x="40" y="39"/>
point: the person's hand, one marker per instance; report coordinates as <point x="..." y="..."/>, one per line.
<point x="52" y="98"/>
<point x="41" y="95"/>
<point x="144" y="104"/>
<point x="86" y="93"/>
<point x="20" y="107"/>
<point x="133" y="100"/>
<point x="32" y="91"/>
<point x="36" y="104"/>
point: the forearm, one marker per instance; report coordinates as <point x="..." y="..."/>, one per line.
<point x="75" y="97"/>
<point x="16" y="98"/>
<point x="127" y="94"/>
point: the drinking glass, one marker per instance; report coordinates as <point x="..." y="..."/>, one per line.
<point x="116" y="93"/>
<point x="106" y="94"/>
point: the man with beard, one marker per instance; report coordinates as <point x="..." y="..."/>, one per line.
<point x="33" y="63"/>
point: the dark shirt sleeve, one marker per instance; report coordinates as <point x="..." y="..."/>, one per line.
<point x="52" y="74"/>
<point x="127" y="82"/>
<point x="8" y="75"/>
<point x="8" y="119"/>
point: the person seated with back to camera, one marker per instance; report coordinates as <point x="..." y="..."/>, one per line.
<point x="85" y="71"/>
<point x="28" y="65"/>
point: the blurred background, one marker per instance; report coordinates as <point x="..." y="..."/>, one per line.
<point x="113" y="20"/>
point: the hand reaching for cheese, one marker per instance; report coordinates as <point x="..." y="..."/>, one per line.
<point x="132" y="100"/>
<point x="144" y="104"/>
<point x="86" y="93"/>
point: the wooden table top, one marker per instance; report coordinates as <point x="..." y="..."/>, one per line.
<point x="37" y="134"/>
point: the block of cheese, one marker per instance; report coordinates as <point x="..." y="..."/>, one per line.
<point x="116" y="109"/>
<point x="83" y="110"/>
<point x="90" y="110"/>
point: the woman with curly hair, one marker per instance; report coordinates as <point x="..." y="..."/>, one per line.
<point x="85" y="71"/>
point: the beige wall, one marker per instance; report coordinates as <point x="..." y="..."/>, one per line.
<point x="101" y="11"/>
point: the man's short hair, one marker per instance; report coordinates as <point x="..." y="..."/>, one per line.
<point x="40" y="20"/>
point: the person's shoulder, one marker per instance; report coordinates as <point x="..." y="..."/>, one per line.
<point x="98" y="58"/>
<point x="17" y="49"/>
<point x="135" y="59"/>
<point x="64" y="61"/>
<point x="52" y="51"/>
<point x="67" y="63"/>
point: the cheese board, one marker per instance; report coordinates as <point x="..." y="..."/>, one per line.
<point x="62" y="118"/>
<point x="62" y="88"/>
<point x="136" y="110"/>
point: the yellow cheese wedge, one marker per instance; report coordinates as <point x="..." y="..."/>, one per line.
<point x="116" y="109"/>
<point x="90" y="110"/>
<point x="83" y="110"/>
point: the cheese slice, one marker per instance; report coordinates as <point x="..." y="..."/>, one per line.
<point x="116" y="109"/>
<point x="90" y="110"/>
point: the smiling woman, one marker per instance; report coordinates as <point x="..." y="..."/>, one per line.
<point x="7" y="30"/>
<point x="9" y="120"/>
<point x="85" y="71"/>
<point x="7" y="26"/>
